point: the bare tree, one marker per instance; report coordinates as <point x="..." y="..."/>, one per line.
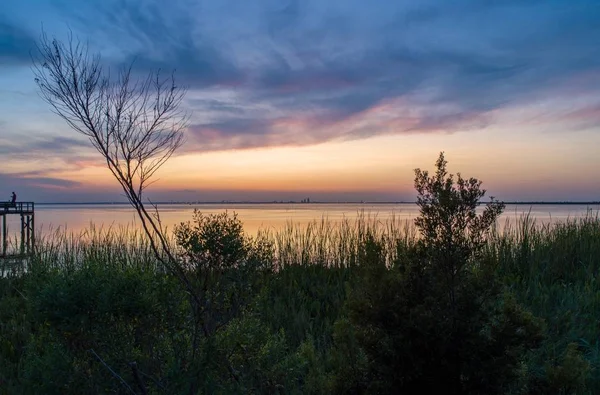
<point x="135" y="124"/>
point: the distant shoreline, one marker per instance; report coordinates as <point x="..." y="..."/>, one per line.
<point x="525" y="203"/>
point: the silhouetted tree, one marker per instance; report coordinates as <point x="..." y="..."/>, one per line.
<point x="135" y="124"/>
<point x="438" y="320"/>
<point x="451" y="228"/>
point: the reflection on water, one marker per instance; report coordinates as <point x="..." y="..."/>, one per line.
<point x="255" y="216"/>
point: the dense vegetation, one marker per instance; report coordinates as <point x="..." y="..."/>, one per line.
<point x="445" y="305"/>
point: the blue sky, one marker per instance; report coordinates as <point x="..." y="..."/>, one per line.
<point x="509" y="89"/>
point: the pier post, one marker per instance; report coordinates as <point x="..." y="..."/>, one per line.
<point x="31" y="248"/>
<point x="22" y="234"/>
<point x="28" y="232"/>
<point x="4" y="235"/>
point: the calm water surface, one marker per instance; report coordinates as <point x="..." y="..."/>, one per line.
<point x="255" y="216"/>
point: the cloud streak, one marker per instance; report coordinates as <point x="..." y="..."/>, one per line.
<point x="268" y="73"/>
<point x="28" y="185"/>
<point x="58" y="145"/>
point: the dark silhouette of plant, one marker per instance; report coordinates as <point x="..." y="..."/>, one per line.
<point x="223" y="263"/>
<point x="224" y="267"/>
<point x="438" y="320"/>
<point x="453" y="234"/>
<point x="135" y="124"/>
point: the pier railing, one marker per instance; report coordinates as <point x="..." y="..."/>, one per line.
<point x="17" y="208"/>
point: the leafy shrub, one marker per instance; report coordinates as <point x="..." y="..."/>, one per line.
<point x="225" y="266"/>
<point x="256" y="360"/>
<point x="215" y="241"/>
<point x="100" y="314"/>
<point x="439" y="320"/>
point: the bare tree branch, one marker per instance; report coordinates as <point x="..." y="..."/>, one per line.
<point x="135" y="124"/>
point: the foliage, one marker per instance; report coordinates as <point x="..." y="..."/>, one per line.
<point x="257" y="360"/>
<point x="225" y="266"/>
<point x="213" y="242"/>
<point x="438" y="319"/>
<point x="365" y="306"/>
<point x="553" y="271"/>
<point x="453" y="234"/>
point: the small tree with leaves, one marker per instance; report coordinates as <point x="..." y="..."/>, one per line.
<point x="453" y="234"/>
<point x="438" y="320"/>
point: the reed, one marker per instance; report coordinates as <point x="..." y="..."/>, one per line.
<point x="339" y="244"/>
<point x="118" y="247"/>
<point x="552" y="269"/>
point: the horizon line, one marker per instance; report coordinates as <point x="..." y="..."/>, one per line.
<point x="229" y="202"/>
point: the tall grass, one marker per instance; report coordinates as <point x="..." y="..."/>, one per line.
<point x="118" y="247"/>
<point x="546" y="252"/>
<point x="338" y="244"/>
<point x="552" y="269"/>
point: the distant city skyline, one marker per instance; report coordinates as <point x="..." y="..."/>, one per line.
<point x="334" y="100"/>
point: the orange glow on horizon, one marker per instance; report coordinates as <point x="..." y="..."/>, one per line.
<point x="380" y="164"/>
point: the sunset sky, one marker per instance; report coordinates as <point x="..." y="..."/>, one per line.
<point x="329" y="99"/>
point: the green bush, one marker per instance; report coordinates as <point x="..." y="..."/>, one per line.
<point x="552" y="270"/>
<point x="224" y="267"/>
<point x="438" y="320"/>
<point x="100" y="315"/>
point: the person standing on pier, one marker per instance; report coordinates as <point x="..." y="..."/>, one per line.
<point x="13" y="198"/>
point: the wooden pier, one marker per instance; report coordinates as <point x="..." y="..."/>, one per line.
<point x="27" y="212"/>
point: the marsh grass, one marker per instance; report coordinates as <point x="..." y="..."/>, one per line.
<point x="65" y="251"/>
<point x="339" y="244"/>
<point x="552" y="269"/>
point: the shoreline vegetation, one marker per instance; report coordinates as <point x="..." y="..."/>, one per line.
<point x="104" y="291"/>
<point x="453" y="302"/>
